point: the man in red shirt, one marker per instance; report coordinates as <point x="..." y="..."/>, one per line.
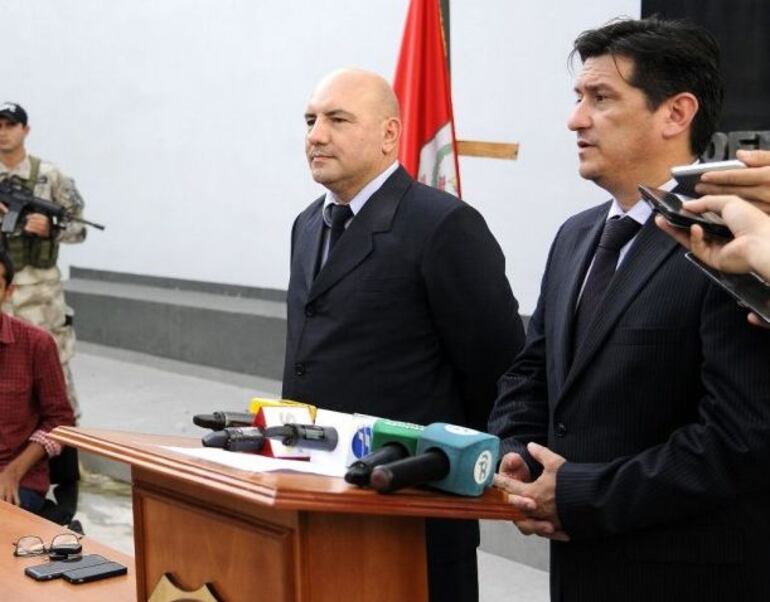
<point x="33" y="400"/>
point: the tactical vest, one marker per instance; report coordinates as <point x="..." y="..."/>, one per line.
<point x="30" y="250"/>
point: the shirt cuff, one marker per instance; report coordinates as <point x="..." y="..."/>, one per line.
<point x="51" y="447"/>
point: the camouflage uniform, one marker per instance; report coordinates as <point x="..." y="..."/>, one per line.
<point x="39" y="296"/>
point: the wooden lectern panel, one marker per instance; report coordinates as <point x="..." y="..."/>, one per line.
<point x="278" y="536"/>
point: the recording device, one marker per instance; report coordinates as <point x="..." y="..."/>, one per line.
<point x="748" y="289"/>
<point x="307" y="436"/>
<point x="687" y="176"/>
<point x="391" y="440"/>
<point x="94" y="573"/>
<point x="277" y="416"/>
<point x="52" y="570"/>
<point x="450" y="458"/>
<point x="670" y="207"/>
<point x="221" y="420"/>
<point x="250" y="438"/>
<point x="423" y="468"/>
<point x="354" y="438"/>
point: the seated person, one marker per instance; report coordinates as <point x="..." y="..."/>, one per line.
<point x="33" y="400"/>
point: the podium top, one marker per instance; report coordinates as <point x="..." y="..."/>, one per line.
<point x="279" y="490"/>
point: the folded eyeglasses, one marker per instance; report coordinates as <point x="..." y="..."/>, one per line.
<point x="63" y="546"/>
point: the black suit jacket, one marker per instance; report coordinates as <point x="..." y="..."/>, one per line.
<point x="411" y="317"/>
<point x="663" y="415"/>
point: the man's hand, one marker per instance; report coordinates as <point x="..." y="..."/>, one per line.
<point x="9" y="487"/>
<point x="3" y="209"/>
<point x="513" y="465"/>
<point x="537" y="500"/>
<point x="752" y="184"/>
<point x="38" y="224"/>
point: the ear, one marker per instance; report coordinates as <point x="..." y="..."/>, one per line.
<point x="391" y="132"/>
<point x="678" y="113"/>
<point x="8" y="292"/>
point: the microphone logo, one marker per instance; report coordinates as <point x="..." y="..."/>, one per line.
<point x="460" y="430"/>
<point x="483" y="467"/>
<point x="362" y="442"/>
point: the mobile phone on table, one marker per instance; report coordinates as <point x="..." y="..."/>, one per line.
<point x="748" y="289"/>
<point x="670" y="206"/>
<point x="94" y="573"/>
<point x="687" y="176"/>
<point x="55" y="569"/>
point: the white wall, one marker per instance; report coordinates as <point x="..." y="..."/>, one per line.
<point x="181" y="120"/>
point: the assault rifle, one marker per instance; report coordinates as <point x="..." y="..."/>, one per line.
<point x="20" y="202"/>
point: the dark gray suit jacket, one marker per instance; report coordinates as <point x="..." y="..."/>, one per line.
<point x="411" y="317"/>
<point x="663" y="415"/>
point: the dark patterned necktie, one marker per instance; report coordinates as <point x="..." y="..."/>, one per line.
<point x="339" y="215"/>
<point x="617" y="232"/>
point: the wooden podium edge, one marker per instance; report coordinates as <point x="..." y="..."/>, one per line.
<point x="342" y="498"/>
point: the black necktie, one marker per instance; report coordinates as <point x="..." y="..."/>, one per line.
<point x="617" y="232"/>
<point x="339" y="215"/>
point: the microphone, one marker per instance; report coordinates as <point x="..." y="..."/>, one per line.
<point x="450" y="458"/>
<point x="307" y="436"/>
<point x="235" y="439"/>
<point x="391" y="440"/>
<point x="277" y="416"/>
<point x="220" y="420"/>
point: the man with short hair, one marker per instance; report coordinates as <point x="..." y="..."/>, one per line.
<point x="34" y="246"/>
<point x="636" y="421"/>
<point x="33" y="400"/>
<point x="398" y="303"/>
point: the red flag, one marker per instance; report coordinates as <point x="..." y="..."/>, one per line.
<point x="428" y="149"/>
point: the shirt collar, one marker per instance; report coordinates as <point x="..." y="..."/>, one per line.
<point x="6" y="333"/>
<point x="357" y="202"/>
<point x="22" y="169"/>
<point x="641" y="211"/>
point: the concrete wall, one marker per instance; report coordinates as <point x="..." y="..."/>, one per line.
<point x="181" y="120"/>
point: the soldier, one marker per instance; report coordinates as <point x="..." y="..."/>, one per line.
<point x="34" y="246"/>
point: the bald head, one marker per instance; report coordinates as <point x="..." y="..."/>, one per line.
<point x="353" y="130"/>
<point x="370" y="87"/>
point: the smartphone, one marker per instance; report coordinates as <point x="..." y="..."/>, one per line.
<point x="94" y="573"/>
<point x="687" y="176"/>
<point x="52" y="570"/>
<point x="748" y="289"/>
<point x="670" y="206"/>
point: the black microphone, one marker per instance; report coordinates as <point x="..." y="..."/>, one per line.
<point x="432" y="465"/>
<point x="360" y="471"/>
<point x="221" y="420"/>
<point x="305" y="436"/>
<point x="235" y="439"/>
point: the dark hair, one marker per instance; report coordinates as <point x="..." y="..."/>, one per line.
<point x="7" y="263"/>
<point x="668" y="57"/>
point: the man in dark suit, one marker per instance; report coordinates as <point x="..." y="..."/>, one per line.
<point x="398" y="303"/>
<point x="636" y="420"/>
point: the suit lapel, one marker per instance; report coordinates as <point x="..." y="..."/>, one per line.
<point x="649" y="250"/>
<point x="587" y="239"/>
<point x="357" y="242"/>
<point x="309" y="244"/>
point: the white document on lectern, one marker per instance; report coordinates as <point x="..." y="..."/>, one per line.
<point x="257" y="463"/>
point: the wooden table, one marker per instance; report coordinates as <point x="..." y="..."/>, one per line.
<point x="284" y="537"/>
<point x="17" y="587"/>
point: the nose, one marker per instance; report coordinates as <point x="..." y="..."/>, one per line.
<point x="318" y="133"/>
<point x="579" y="119"/>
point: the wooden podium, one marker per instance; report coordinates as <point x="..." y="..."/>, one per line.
<point x="282" y="537"/>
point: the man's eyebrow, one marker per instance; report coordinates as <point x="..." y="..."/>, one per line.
<point x="331" y="113"/>
<point x="593" y="87"/>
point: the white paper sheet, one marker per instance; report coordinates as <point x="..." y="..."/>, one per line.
<point x="255" y="463"/>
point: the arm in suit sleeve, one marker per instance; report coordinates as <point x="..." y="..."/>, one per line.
<point x="520" y="413"/>
<point x="723" y="454"/>
<point x="474" y="310"/>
